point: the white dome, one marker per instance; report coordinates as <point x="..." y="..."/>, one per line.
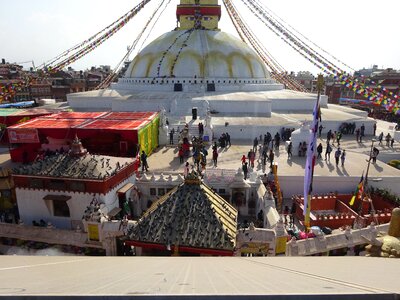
<point x="201" y="53"/>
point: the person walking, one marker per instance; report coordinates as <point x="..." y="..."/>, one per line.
<point x="328" y="152"/>
<point x="328" y="136"/>
<point x="333" y="137"/>
<point x="338" y="152"/>
<point x="391" y="142"/>
<point x="375" y="153"/>
<point x="252" y="158"/>
<point x="171" y="137"/>
<point x="228" y="139"/>
<point x="205" y="154"/>
<point x="255" y="144"/>
<point x="388" y="138"/>
<point x="338" y="138"/>
<point x="380" y="138"/>
<point x="374" y="128"/>
<point x="245" y="170"/>
<point x="319" y="150"/>
<point x="264" y="156"/>
<point x="289" y="150"/>
<point x="243" y="159"/>
<point x="320" y="130"/>
<point x="343" y="157"/>
<point x="271" y="157"/>
<point x="143" y="158"/>
<point x="186" y="170"/>
<point x="362" y="131"/>
<point x="358" y="135"/>
<point x="215" y="157"/>
<point x="181" y="154"/>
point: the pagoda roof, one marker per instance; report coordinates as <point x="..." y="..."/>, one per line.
<point x="191" y="215"/>
<point x="90" y="167"/>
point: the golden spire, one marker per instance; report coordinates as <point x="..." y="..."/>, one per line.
<point x="198" y="14"/>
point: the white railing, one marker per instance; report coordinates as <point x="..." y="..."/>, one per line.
<point x="324" y="243"/>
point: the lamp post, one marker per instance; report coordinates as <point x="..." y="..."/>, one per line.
<point x="369" y="162"/>
<point x="366" y="182"/>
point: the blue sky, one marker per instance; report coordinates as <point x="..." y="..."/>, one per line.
<point x="359" y="32"/>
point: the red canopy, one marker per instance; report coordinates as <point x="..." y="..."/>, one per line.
<point x="65" y="125"/>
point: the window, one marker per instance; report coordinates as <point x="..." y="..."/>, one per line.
<point x="161" y="192"/>
<point x="56" y="184"/>
<point x="61" y="208"/>
<point x="77" y="186"/>
<point x="153" y="192"/>
<point x="221" y="191"/>
<point x="36" y="183"/>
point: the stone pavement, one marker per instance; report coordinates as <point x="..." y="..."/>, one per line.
<point x="166" y="159"/>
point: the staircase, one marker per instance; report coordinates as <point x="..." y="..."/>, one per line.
<point x="193" y="130"/>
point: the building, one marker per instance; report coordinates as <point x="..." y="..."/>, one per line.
<point x="191" y="219"/>
<point x="334" y="211"/>
<point x="108" y="133"/>
<point x="306" y="79"/>
<point x="248" y="197"/>
<point x="59" y="188"/>
<point x="207" y="74"/>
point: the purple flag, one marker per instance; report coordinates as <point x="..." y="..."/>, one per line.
<point x="311" y="150"/>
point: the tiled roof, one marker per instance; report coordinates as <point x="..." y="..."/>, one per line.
<point x="89" y="166"/>
<point x="190" y="215"/>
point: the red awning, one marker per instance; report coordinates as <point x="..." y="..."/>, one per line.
<point x="114" y="124"/>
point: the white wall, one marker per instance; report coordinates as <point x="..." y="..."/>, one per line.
<point x="291" y="185"/>
<point x="245" y="132"/>
<point x="32" y="207"/>
<point x="244" y="106"/>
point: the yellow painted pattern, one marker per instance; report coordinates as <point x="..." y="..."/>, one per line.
<point x="207" y="54"/>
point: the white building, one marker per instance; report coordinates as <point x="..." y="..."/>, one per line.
<point x="59" y="188"/>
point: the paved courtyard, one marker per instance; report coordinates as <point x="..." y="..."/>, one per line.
<point x="166" y="159"/>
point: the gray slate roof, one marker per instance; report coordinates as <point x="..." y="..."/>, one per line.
<point x="190" y="215"/>
<point x="98" y="167"/>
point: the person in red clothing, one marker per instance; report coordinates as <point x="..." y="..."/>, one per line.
<point x="252" y="158"/>
<point x="215" y="157"/>
<point x="181" y="154"/>
<point x="243" y="159"/>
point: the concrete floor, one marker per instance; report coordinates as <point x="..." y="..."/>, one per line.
<point x="288" y="278"/>
<point x="166" y="159"/>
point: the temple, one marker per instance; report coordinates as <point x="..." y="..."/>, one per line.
<point x="197" y="71"/>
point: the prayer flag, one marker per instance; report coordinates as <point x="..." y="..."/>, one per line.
<point x="311" y="157"/>
<point x="359" y="190"/>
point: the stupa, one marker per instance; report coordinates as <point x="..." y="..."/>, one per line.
<point x="199" y="71"/>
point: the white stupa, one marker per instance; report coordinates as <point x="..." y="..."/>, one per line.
<point x="198" y="67"/>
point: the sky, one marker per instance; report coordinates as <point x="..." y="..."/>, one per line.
<point x="360" y="33"/>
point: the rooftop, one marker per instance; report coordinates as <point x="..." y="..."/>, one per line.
<point x="96" y="167"/>
<point x="203" y="277"/>
<point x="191" y="215"/>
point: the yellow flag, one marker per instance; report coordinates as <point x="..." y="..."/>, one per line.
<point x="308" y="212"/>
<point x="352" y="200"/>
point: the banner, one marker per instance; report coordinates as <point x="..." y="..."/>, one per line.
<point x="93" y="232"/>
<point x="23" y="135"/>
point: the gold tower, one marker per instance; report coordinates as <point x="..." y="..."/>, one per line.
<point x="198" y="14"/>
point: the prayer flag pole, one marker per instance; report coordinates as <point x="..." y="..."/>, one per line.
<point x="311" y="157"/>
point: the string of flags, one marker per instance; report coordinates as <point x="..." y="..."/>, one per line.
<point x="9" y="90"/>
<point x="245" y="33"/>
<point x="378" y="94"/>
<point x="110" y="78"/>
